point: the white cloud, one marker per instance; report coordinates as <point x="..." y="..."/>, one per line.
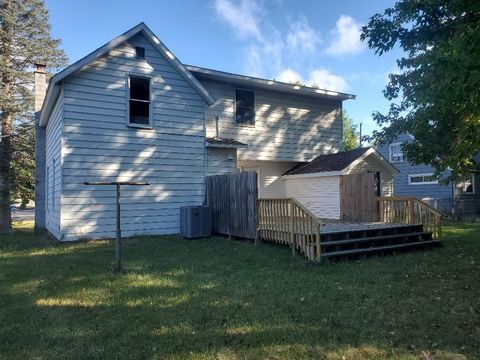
<point x="268" y="48"/>
<point x="324" y="79"/>
<point x="289" y="76"/>
<point x="320" y="77"/>
<point x="346" y="37"/>
<point x="242" y="16"/>
<point x="302" y="36"/>
<point x="265" y="56"/>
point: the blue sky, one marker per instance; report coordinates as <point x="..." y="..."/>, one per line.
<point x="312" y="41"/>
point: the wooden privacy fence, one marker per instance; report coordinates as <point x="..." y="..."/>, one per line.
<point x="286" y="221"/>
<point x="410" y="210"/>
<point x="232" y="199"/>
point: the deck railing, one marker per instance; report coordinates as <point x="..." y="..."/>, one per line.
<point x="410" y="210"/>
<point x="286" y="221"/>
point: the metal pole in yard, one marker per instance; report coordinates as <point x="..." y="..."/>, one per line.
<point x="118" y="232"/>
<point x="118" y="256"/>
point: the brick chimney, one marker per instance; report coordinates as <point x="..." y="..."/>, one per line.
<point x="40" y="77"/>
<point x="40" y="87"/>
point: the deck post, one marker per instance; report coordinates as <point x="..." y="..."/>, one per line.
<point x="291" y="227"/>
<point x="410" y="212"/>
<point x="319" y="250"/>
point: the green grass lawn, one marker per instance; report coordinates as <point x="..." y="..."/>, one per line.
<point x="225" y="299"/>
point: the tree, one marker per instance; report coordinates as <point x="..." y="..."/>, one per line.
<point x="24" y="39"/>
<point x="436" y="95"/>
<point x="350" y="137"/>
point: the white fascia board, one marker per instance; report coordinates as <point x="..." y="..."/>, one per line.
<point x="226" y="146"/>
<point x="312" y="175"/>
<point x="392" y="169"/>
<point x="55" y="81"/>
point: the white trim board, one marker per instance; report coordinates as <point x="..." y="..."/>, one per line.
<point x="55" y="82"/>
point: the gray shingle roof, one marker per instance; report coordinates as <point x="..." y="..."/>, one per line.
<point x="330" y="162"/>
<point x="225" y="141"/>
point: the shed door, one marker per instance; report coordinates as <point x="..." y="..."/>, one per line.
<point x="357" y="197"/>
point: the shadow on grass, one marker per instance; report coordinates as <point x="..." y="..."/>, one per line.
<point x="229" y="299"/>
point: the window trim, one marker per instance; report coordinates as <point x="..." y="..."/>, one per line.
<point x="47" y="187"/>
<point x="423" y="182"/>
<point x="235" y="107"/>
<point x="472" y="177"/>
<point x="54" y="165"/>
<point x="390" y="152"/>
<point x="150" y="107"/>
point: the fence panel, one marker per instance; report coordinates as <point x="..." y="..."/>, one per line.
<point x="233" y="200"/>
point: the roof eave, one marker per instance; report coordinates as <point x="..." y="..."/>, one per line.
<point x="372" y="151"/>
<point x="57" y="78"/>
<point x="226" y="146"/>
<point x="310" y="175"/>
<point x="270" y="84"/>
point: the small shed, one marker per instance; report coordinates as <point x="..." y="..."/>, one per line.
<point x="342" y="186"/>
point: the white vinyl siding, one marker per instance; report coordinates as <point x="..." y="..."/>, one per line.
<point x="54" y="170"/>
<point x="287" y="127"/>
<point x="321" y="195"/>
<point x="270" y="182"/>
<point x="100" y="146"/>
<point x="221" y="161"/>
<point x="372" y="164"/>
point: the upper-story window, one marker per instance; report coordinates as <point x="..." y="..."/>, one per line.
<point x="139" y="100"/>
<point x="467" y="184"/>
<point x="140" y="52"/>
<point x="396" y="154"/>
<point x="422" y="179"/>
<point x="244" y="107"/>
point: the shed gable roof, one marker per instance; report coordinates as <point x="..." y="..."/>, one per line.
<point x="54" y="85"/>
<point x="338" y="162"/>
<point x="329" y="162"/>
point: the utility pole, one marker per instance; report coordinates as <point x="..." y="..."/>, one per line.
<point x="360" y="137"/>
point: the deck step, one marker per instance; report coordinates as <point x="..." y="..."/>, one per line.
<point x="374" y="238"/>
<point x="348" y="228"/>
<point x="379" y="248"/>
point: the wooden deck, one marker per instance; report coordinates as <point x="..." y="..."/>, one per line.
<point x="344" y="226"/>
<point x="408" y="225"/>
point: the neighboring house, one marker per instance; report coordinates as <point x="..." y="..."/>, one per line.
<point x="460" y="197"/>
<point x="131" y="111"/>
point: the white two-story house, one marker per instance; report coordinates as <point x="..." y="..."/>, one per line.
<point x="131" y="111"/>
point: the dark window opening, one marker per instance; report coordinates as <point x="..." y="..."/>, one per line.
<point x="139" y="52"/>
<point x="139" y="102"/>
<point x="244" y="107"/>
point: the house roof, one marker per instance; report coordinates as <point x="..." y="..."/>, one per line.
<point x="249" y="81"/>
<point x="54" y="85"/>
<point x="338" y="163"/>
<point x="224" y="143"/>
